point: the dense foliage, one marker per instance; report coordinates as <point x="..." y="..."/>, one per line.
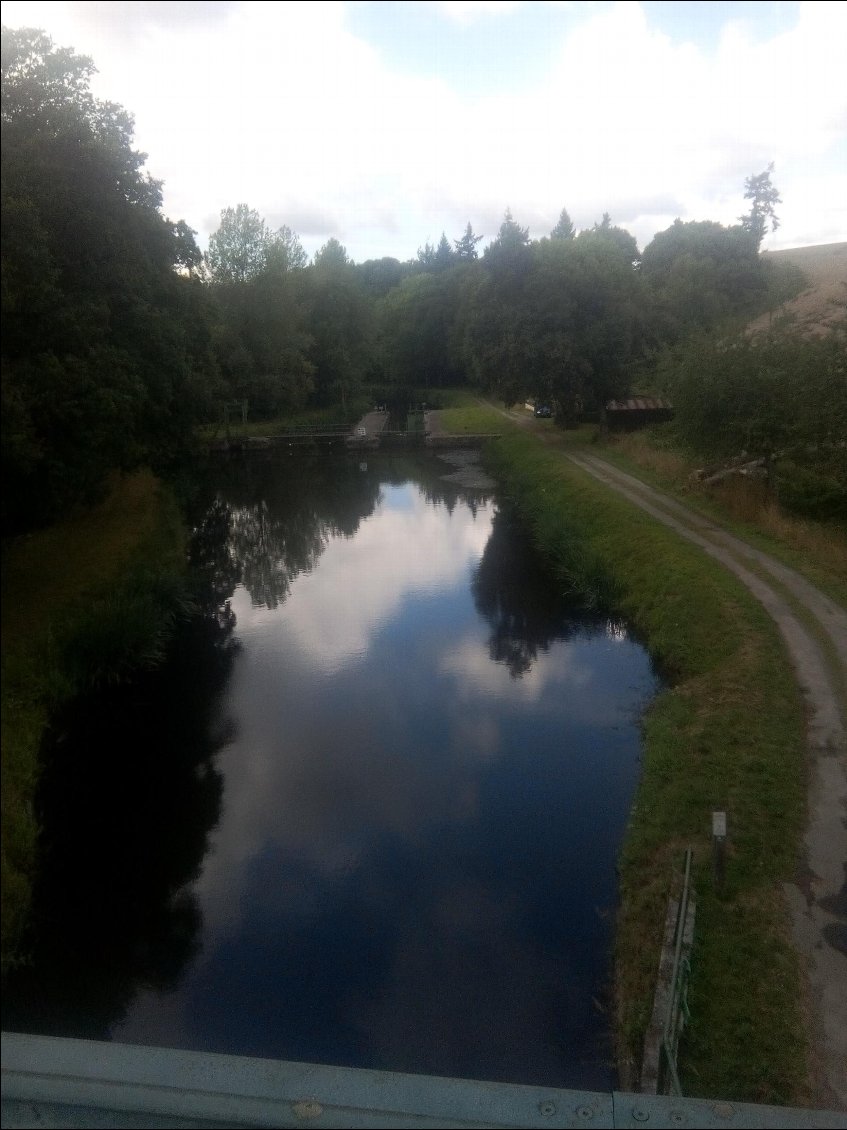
<point x="781" y="398"/>
<point x="119" y="336"/>
<point x="105" y="362"/>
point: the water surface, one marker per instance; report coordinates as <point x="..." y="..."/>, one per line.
<point x="406" y="770"/>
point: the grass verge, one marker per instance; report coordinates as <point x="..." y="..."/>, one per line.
<point x="728" y="734"/>
<point x="83" y="603"/>
<point x="471" y="419"/>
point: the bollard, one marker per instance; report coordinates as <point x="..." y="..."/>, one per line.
<point x="718" y="847"/>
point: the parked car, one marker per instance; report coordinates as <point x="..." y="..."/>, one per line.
<point x="544" y="411"/>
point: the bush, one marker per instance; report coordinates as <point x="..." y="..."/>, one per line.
<point x="125" y="630"/>
<point x="812" y="492"/>
<point x="783" y="397"/>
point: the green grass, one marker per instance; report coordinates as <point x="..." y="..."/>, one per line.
<point x="817" y="550"/>
<point x="728" y="734"/>
<point x="84" y="602"/>
<point x="472" y="419"/>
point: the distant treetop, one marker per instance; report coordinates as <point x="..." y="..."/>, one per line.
<point x="762" y="216"/>
<point x="564" y="229"/>
<point x="466" y="246"/>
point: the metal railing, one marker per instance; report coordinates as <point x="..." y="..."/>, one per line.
<point x="678" y="1013"/>
<point x="659" y="1073"/>
<point x="49" y="1081"/>
<point x="306" y="430"/>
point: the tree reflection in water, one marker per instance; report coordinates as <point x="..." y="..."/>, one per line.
<point x="266" y="545"/>
<point x="526" y="608"/>
<point x="127" y="800"/>
<point x="130" y="793"/>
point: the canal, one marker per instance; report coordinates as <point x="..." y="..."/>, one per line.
<point x="369" y="811"/>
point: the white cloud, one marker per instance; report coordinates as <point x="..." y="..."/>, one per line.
<point x="282" y="107"/>
<point x="469" y="11"/>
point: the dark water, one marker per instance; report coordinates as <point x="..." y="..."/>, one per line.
<point x="368" y="814"/>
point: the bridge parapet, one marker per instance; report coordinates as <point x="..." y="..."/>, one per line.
<point x="55" y="1082"/>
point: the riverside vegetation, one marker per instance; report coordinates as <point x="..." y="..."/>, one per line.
<point x="86" y="602"/>
<point x="729" y="734"/>
<point x="122" y="343"/>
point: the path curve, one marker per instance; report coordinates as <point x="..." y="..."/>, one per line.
<point x="814" y="628"/>
<point x="805" y="617"/>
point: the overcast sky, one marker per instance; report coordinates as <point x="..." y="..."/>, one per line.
<point x="384" y="124"/>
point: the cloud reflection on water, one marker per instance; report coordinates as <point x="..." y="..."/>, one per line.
<point x="423" y="745"/>
<point x="359" y="583"/>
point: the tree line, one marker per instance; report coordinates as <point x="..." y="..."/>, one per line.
<point x="120" y="336"/>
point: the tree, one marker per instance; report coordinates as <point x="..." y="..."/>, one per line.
<point x="782" y="396"/>
<point x="588" y="309"/>
<point x="416" y="322"/>
<point x="261" y="336"/>
<point x="243" y="247"/>
<point x="285" y="251"/>
<point x="426" y="256"/>
<point x="379" y="276"/>
<point x="508" y="255"/>
<point x="701" y="273"/>
<point x="42" y="79"/>
<point x="511" y="235"/>
<point x="564" y="229"/>
<point x="610" y="232"/>
<point x="188" y="255"/>
<point x="762" y="216"/>
<point x="106" y="346"/>
<point x="466" y="246"/>
<point x="561" y="319"/>
<point x="238" y="250"/>
<point x="443" y="254"/>
<point x="339" y="321"/>
<point x="332" y="255"/>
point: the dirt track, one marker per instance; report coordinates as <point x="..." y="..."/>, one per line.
<point x="814" y="628"/>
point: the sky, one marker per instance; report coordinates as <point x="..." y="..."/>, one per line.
<point x="385" y="124"/>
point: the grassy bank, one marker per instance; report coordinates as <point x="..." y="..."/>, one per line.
<point x="728" y="734"/>
<point x="816" y="549"/>
<point x="83" y="603"/>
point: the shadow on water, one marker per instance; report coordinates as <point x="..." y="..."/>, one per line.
<point x="127" y="799"/>
<point x="129" y="793"/>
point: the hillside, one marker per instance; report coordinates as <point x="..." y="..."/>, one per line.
<point x="824" y="301"/>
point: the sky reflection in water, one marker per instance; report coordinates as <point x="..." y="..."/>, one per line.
<point x="430" y="770"/>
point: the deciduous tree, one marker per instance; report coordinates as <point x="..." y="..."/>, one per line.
<point x="238" y="250"/>
<point x="106" y="351"/>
